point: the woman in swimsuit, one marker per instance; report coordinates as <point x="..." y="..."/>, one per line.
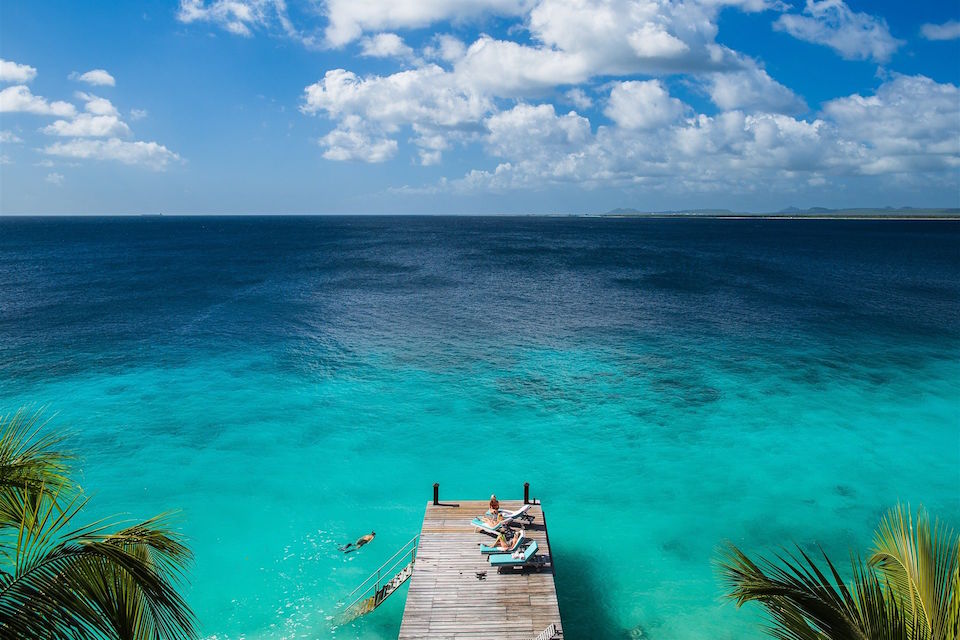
<point x="493" y="517"/>
<point x="503" y="544"/>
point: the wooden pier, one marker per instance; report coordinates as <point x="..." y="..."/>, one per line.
<point x="447" y="600"/>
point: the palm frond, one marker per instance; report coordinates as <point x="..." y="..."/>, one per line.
<point x="29" y="457"/>
<point x="117" y="595"/>
<point x="805" y="604"/>
<point x="97" y="581"/>
<point x="921" y="565"/>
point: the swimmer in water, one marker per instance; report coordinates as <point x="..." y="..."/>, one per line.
<point x="353" y="546"/>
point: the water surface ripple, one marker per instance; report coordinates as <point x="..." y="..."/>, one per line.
<point x="664" y="385"/>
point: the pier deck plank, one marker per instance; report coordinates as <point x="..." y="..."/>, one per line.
<point x="446" y="601"/>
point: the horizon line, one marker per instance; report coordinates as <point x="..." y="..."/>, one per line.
<point x="852" y="213"/>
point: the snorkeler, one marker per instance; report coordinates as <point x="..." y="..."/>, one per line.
<point x="353" y="546"/>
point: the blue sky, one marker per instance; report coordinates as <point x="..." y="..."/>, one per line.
<point x="477" y="106"/>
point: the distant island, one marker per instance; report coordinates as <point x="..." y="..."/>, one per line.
<point x="794" y="212"/>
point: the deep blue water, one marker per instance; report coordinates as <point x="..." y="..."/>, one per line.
<point x="665" y="385"/>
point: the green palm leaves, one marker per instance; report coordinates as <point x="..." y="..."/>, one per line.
<point x="62" y="579"/>
<point x="921" y="566"/>
<point x="908" y="590"/>
<point x="28" y="458"/>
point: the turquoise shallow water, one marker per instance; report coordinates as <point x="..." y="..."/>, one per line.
<point x="293" y="384"/>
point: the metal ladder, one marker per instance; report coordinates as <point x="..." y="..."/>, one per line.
<point x="371" y="593"/>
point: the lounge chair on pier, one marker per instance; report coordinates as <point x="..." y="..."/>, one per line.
<point x="516" y="559"/>
<point x="519" y="514"/>
<point x="509" y="517"/>
<point x="494" y="530"/>
<point x="486" y="550"/>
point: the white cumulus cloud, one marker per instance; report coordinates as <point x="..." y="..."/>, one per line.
<point x="243" y="17"/>
<point x="236" y="16"/>
<point x="949" y="30"/>
<point x="55" y="179"/>
<point x="102" y="120"/>
<point x="445" y="47"/>
<point x="622" y="37"/>
<point x="854" y="35"/>
<point x="19" y="98"/>
<point x="352" y="140"/>
<point x="424" y="95"/>
<point x="385" y="45"/>
<point x="98" y="77"/>
<point x="896" y="131"/>
<point x="9" y="137"/>
<point x="87" y="125"/>
<point x="13" y="72"/>
<point x="535" y="128"/>
<point x="570" y="42"/>
<point x="149" y="154"/>
<point x="751" y="89"/>
<point x="578" y="98"/>
<point x="349" y="19"/>
<point x="427" y="98"/>
<point x="509" y="69"/>
<point x="97" y="105"/>
<point x="651" y="40"/>
<point x="909" y="124"/>
<point x="642" y="105"/>
<point x="499" y="93"/>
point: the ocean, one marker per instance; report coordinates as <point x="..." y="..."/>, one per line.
<point x="664" y="385"/>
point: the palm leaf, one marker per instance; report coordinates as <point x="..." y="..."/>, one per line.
<point x="29" y="458"/>
<point x="31" y="464"/>
<point x="92" y="581"/>
<point x="60" y="579"/>
<point x="115" y="593"/>
<point x="920" y="564"/>
<point x="805" y="604"/>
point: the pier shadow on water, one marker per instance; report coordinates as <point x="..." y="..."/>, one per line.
<point x="586" y="604"/>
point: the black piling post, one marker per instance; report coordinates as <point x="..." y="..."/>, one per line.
<point x="436" y="493"/>
<point x="526" y="493"/>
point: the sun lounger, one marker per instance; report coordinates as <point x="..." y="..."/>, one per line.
<point x="493" y="530"/>
<point x="485" y="549"/>
<point x="509" y="517"/>
<point x="516" y="559"/>
<point x="519" y="514"/>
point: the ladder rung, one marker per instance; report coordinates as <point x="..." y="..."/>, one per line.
<point x="367" y="605"/>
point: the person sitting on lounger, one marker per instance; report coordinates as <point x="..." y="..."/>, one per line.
<point x="353" y="546"/>
<point x="506" y="545"/>
<point x="493" y="517"/>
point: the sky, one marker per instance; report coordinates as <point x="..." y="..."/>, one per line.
<point x="476" y="106"/>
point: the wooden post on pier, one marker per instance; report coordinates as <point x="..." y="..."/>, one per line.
<point x="436" y="493"/>
<point x="526" y="493"/>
